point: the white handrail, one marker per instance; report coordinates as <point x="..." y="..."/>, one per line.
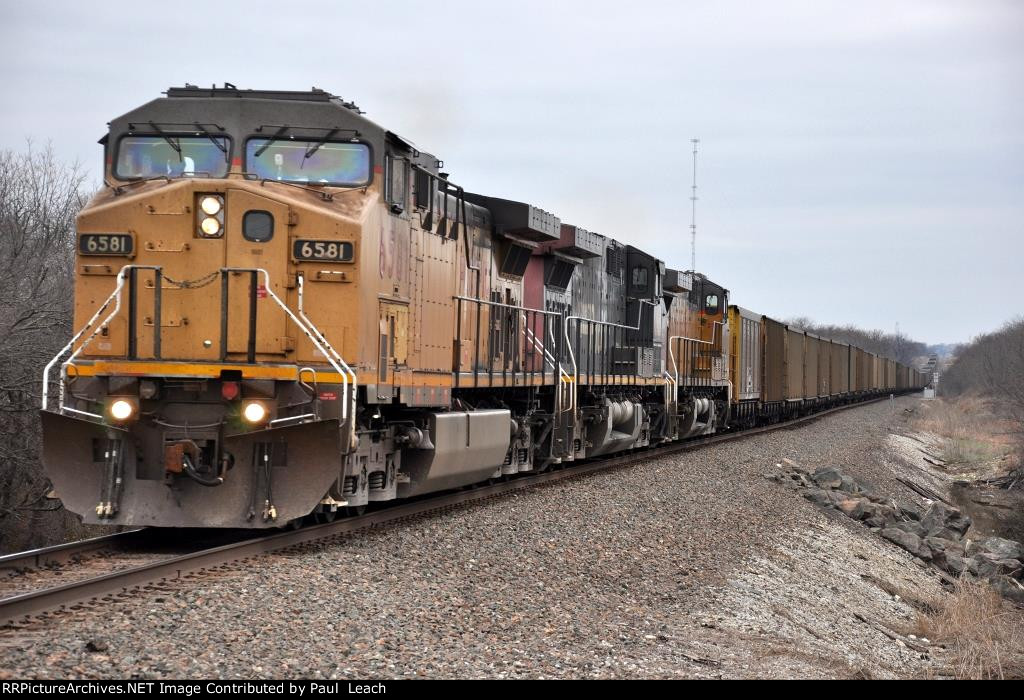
<point x="672" y="355"/>
<point x="506" y="306"/>
<point x="568" y="343"/>
<point x="115" y="295"/>
<point x="532" y="337"/>
<point x="671" y="391"/>
<point x="529" y="334"/>
<point x="345" y="378"/>
<point x="555" y="363"/>
<point x="315" y="337"/>
<point x="675" y="385"/>
<point x="304" y="324"/>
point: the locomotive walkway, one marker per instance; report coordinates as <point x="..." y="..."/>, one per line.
<point x="692" y="564"/>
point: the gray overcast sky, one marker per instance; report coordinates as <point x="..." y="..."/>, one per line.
<point x="860" y="162"/>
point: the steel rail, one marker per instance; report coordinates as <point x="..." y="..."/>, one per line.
<point x="66" y="551"/>
<point x="24" y="605"/>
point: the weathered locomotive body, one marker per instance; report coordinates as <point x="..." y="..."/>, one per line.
<point x="285" y="310"/>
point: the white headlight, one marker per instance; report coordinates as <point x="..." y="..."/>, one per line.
<point x="210" y="226"/>
<point x="121" y="410"/>
<point x="254" y="412"/>
<point x="210" y="205"/>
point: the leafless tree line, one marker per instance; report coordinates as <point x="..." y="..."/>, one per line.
<point x="40" y="197"/>
<point x="895" y="346"/>
<point x="991" y="365"/>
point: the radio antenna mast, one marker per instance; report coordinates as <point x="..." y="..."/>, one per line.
<point x="693" y="210"/>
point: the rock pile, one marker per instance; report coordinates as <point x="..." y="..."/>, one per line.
<point x="938" y="535"/>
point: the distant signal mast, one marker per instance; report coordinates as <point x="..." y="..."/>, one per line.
<point x="693" y="210"/>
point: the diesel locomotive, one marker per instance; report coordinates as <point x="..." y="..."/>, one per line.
<point x="284" y="310"/>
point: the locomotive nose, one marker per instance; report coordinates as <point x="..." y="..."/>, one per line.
<point x="203" y="282"/>
<point x="107" y="474"/>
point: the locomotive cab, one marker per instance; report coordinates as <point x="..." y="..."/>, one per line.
<point x="698" y="352"/>
<point x="217" y="291"/>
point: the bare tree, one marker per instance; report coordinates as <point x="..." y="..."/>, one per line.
<point x="991" y="365"/>
<point x="39" y="200"/>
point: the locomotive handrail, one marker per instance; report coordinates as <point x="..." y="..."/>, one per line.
<point x="523" y="309"/>
<point x="49" y="365"/>
<point x="115" y="296"/>
<point x="337" y="356"/>
<point x="318" y="340"/>
<point x="672" y="356"/>
<point x="563" y="376"/>
<point x="671" y="380"/>
<point x="609" y="324"/>
<point x="671" y="392"/>
<point x="508" y="306"/>
<point x="305" y="325"/>
<point x="551" y="359"/>
<point x="527" y="333"/>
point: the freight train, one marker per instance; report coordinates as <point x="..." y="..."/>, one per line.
<point x="286" y="311"/>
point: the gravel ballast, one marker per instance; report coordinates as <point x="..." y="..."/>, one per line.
<point x="695" y="565"/>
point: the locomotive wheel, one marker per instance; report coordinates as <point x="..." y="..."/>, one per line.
<point x="355" y="510"/>
<point x="325" y="516"/>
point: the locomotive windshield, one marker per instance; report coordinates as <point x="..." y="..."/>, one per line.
<point x="171" y="155"/>
<point x="313" y="162"/>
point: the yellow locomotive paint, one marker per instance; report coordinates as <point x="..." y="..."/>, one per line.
<point x="734" y="349"/>
<point x="213" y="370"/>
<point x="391" y="320"/>
<point x="192" y="370"/>
<point x="161" y="217"/>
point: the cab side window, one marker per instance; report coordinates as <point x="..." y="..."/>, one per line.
<point x="640" y="278"/>
<point x="397" y="183"/>
<point x="711" y="304"/>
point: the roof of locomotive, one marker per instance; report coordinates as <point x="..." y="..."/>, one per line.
<point x="314" y="94"/>
<point x="241" y="113"/>
<point x="691" y="280"/>
<point x="230" y="107"/>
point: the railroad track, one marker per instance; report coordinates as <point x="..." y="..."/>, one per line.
<point x="60" y="554"/>
<point x="70" y="564"/>
<point x="22" y="605"/>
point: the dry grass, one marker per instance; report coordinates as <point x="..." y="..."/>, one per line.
<point x="968" y="427"/>
<point x="967" y="451"/>
<point x="983" y="634"/>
